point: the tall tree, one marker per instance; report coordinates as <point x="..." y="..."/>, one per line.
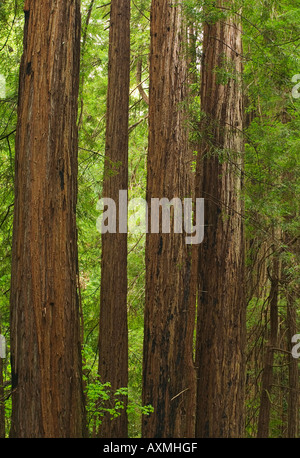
<point x="221" y="296"/>
<point x="2" y="404"/>
<point x="168" y="371"/>
<point x="293" y="397"/>
<point x="113" y="333"/>
<point x="47" y="394"/>
<point x="267" y="378"/>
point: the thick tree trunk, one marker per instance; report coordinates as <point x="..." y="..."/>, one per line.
<point x="47" y="398"/>
<point x="221" y="318"/>
<point x="168" y="371"/>
<point x="113" y="334"/>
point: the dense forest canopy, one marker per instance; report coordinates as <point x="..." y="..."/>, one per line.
<point x="190" y="99"/>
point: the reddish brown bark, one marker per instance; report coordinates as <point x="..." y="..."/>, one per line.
<point x="113" y="334"/>
<point x="221" y="295"/>
<point x="47" y="399"/>
<point x="168" y="371"/>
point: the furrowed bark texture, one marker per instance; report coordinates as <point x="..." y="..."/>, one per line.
<point x="221" y="295"/>
<point x="47" y="398"/>
<point x="113" y="334"/>
<point x="168" y="371"/>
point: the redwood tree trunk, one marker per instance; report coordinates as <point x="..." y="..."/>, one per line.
<point x="47" y="397"/>
<point x="113" y="334"/>
<point x="168" y="371"/>
<point x="293" y="399"/>
<point x="267" y="378"/>
<point x="221" y="294"/>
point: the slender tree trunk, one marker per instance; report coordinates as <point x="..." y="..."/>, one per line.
<point x="168" y="371"/>
<point x="267" y="378"/>
<point x="139" y="81"/>
<point x="293" y="400"/>
<point x="47" y="398"/>
<point x="221" y="294"/>
<point x="2" y="403"/>
<point x="113" y="334"/>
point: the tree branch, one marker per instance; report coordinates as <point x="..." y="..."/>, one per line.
<point x="7" y="135"/>
<point x="139" y="81"/>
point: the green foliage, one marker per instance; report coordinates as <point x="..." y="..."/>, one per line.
<point x="271" y="35"/>
<point x="102" y="400"/>
<point x="271" y="191"/>
<point x="11" y="32"/>
<point x="91" y="168"/>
